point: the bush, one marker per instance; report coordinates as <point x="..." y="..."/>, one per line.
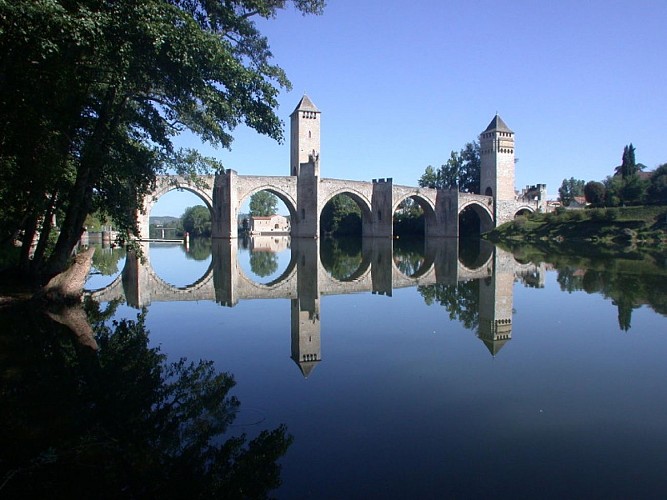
<point x="598" y="214"/>
<point x="577" y="215"/>
<point x="612" y="214"/>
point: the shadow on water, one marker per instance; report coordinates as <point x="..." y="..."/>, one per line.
<point x="119" y="420"/>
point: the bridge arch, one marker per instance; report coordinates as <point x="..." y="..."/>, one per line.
<point x="284" y="196"/>
<point x="171" y="183"/>
<point x="523" y="210"/>
<point x="357" y="196"/>
<point x="426" y="204"/>
<point x="202" y="188"/>
<point x="360" y="198"/>
<point x="482" y="210"/>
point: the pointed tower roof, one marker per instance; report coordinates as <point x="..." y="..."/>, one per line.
<point x="494" y="346"/>
<point x="305" y="104"/>
<point x="498" y="124"/>
<point x="306" y="367"/>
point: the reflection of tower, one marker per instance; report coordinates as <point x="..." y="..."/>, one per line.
<point x="496" y="145"/>
<point x="305" y="137"/>
<point x="305" y="312"/>
<point x="495" y="303"/>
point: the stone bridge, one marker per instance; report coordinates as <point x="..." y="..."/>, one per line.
<point x="224" y="194"/>
<point x="305" y="192"/>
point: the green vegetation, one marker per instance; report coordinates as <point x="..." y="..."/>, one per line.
<point x="263" y="263"/>
<point x="93" y="93"/>
<point x="197" y="221"/>
<point x="105" y="260"/>
<point x="610" y="227"/>
<point x="122" y="421"/>
<point x="630" y="277"/>
<point x="461" y="172"/>
<point x="460" y="300"/>
<point x="263" y="204"/>
<point x="341" y="216"/>
<point x="409" y="219"/>
<point x="341" y="257"/>
<point x="569" y="189"/>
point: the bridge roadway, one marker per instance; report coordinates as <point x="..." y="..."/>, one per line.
<point x="226" y="283"/>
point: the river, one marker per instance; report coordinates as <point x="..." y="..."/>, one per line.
<point x="400" y="370"/>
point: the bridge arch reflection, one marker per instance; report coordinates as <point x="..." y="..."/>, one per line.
<point x="306" y="280"/>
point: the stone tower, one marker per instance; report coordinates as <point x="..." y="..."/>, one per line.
<point x="305" y="137"/>
<point x="496" y="146"/>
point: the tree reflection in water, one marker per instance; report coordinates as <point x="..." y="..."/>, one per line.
<point x="630" y="279"/>
<point x="199" y="249"/>
<point x="263" y="263"/>
<point x="341" y="257"/>
<point x="408" y="255"/>
<point x="120" y="421"/>
<point x="460" y="300"/>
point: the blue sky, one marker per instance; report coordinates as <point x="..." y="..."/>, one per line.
<point x="401" y="84"/>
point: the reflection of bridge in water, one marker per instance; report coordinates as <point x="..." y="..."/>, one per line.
<point x="305" y="280"/>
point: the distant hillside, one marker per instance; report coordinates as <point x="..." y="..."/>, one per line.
<point x="162" y="220"/>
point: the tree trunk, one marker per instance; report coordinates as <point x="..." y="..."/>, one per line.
<point x="67" y="287"/>
<point x="44" y="234"/>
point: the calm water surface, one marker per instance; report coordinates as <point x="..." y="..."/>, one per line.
<point x="426" y="371"/>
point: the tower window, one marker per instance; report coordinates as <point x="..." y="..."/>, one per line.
<point x="309" y="136"/>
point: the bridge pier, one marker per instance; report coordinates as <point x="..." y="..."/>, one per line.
<point x="224" y="220"/>
<point x="382" y="215"/>
<point x="307" y="219"/>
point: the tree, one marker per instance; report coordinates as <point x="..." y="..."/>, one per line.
<point x="594" y="192"/>
<point x="93" y="93"/>
<point x="569" y="189"/>
<point x="263" y="204"/>
<point x="628" y="165"/>
<point x="461" y="171"/>
<point x="197" y="220"/>
<point x="657" y="190"/>
<point x="341" y="216"/>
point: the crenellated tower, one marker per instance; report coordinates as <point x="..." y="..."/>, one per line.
<point x="305" y="137"/>
<point x="496" y="146"/>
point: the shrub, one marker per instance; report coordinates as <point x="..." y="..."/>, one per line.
<point x="612" y="214"/>
<point x="598" y="214"/>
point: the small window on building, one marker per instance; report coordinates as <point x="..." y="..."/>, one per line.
<point x="488" y="192"/>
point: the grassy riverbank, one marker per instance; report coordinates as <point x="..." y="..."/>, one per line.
<point x="611" y="228"/>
